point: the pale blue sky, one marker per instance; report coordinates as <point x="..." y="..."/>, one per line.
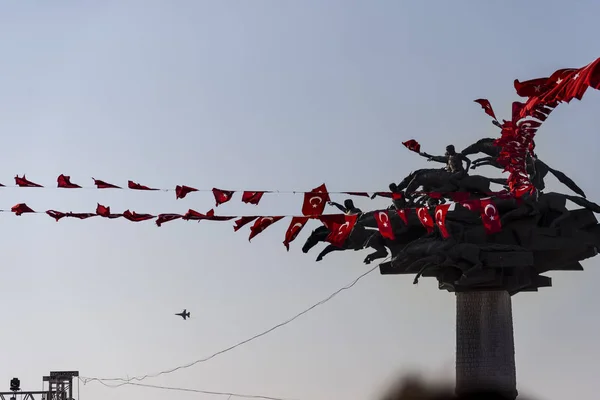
<point x="275" y="95"/>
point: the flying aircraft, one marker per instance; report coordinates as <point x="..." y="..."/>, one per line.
<point x="185" y="315"/>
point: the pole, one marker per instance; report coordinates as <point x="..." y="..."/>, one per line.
<point x="485" y="347"/>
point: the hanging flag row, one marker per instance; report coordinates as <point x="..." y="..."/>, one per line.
<point x="221" y="195"/>
<point x="339" y="225"/>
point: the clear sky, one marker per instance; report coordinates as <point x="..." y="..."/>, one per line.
<point x="264" y="95"/>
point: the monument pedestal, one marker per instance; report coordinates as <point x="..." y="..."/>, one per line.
<point x="485" y="347"/>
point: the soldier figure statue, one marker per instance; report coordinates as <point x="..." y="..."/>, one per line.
<point x="348" y="208"/>
<point x="454" y="164"/>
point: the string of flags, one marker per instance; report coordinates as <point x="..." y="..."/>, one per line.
<point x="340" y="225"/>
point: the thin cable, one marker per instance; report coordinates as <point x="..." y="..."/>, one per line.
<point x="209" y="392"/>
<point x="141" y="378"/>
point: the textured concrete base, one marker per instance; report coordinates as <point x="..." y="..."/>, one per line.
<point x="485" y="347"/>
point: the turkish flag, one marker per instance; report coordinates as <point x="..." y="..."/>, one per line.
<point x="252" y="197"/>
<point x="104" y="185"/>
<point x="331" y="220"/>
<point x="472" y="205"/>
<point x="222" y="196"/>
<point x="314" y="201"/>
<point x="384" y="224"/>
<point x="440" y="219"/>
<point x="340" y="232"/>
<point x="210" y="215"/>
<point x="24" y="182"/>
<point x="487" y="107"/>
<point x="64" y="181"/>
<point x="135" y="217"/>
<point x="21" y="208"/>
<point x="162" y="218"/>
<point x="182" y="191"/>
<point x="81" y="215"/>
<point x="261" y="224"/>
<point x="293" y="230"/>
<point x="57" y="215"/>
<point x="412" y="145"/>
<point x="105" y="212"/>
<point x="136" y="186"/>
<point x="242" y="221"/>
<point x="425" y="218"/>
<point x="402" y="214"/>
<point x="387" y="195"/>
<point x="490" y="216"/>
<point x="532" y="87"/>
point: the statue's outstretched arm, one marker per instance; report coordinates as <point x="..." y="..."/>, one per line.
<point x="440" y="159"/>
<point x="339" y="206"/>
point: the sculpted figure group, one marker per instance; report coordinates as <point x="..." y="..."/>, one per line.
<point x="538" y="234"/>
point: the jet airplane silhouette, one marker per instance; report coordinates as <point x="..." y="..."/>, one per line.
<point x="185" y="315"/>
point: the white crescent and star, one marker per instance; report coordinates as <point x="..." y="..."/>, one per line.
<point x="438" y="216"/>
<point x="315" y="205"/>
<point x="295" y="231"/>
<point x="494" y="213"/>
<point x="383" y="220"/>
<point x="423" y="214"/>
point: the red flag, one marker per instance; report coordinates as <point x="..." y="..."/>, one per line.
<point x="21" y="208"/>
<point x="64" y="181"/>
<point x="293" y="230"/>
<point x="459" y="197"/>
<point x="222" y="196"/>
<point x="490" y="216"/>
<point x="384" y="224"/>
<point x="105" y="212"/>
<point x="314" y="201"/>
<point x="182" y="191"/>
<point x="487" y="107"/>
<point x="135" y="217"/>
<point x="212" y="217"/>
<point x="194" y="215"/>
<point x="440" y="219"/>
<point x="57" y="215"/>
<point x="473" y="204"/>
<point x="331" y="220"/>
<point x="361" y="194"/>
<point x="239" y="223"/>
<point x="402" y="214"/>
<point x="136" y="186"/>
<point x="340" y="232"/>
<point x="162" y="218"/>
<point x="531" y="88"/>
<point x="412" y="145"/>
<point x="24" y="182"/>
<point x="252" y="197"/>
<point x="425" y="218"/>
<point x="81" y="215"/>
<point x="261" y="224"/>
<point x="104" y="185"/>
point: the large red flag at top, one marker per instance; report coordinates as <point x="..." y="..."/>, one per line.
<point x="293" y="230"/>
<point x="181" y="191"/>
<point x="314" y="201"/>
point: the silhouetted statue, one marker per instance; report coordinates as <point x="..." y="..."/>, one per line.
<point x="348" y="208"/>
<point x="454" y="163"/>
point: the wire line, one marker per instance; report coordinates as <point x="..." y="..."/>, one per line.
<point x="202" y="360"/>
<point x="209" y="392"/>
